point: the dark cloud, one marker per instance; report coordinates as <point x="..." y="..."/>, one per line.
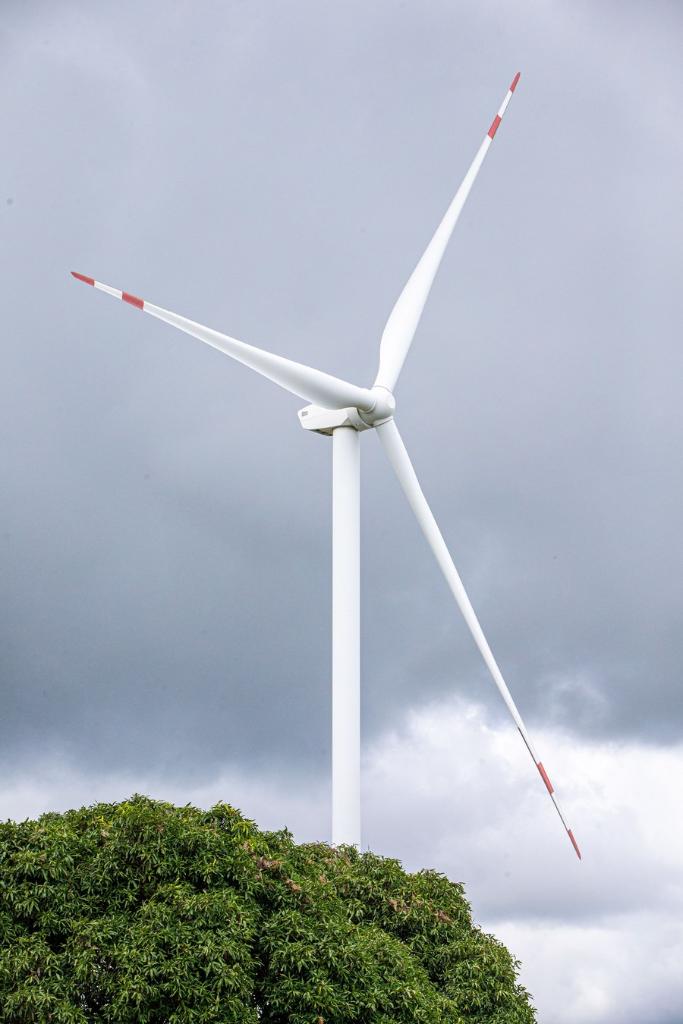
<point x="275" y="172"/>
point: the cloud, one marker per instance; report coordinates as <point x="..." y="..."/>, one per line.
<point x="275" y="171"/>
<point x="600" y="940"/>
<point x="451" y="788"/>
<point x="626" y="969"/>
<point x="165" y="537"/>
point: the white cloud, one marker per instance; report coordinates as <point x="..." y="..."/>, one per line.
<point x="600" y="940"/>
<point x="626" y="969"/>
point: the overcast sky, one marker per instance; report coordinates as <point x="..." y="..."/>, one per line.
<point x="275" y="171"/>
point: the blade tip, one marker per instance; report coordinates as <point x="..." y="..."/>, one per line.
<point x="83" y="278"/>
<point x="515" y="80"/>
<point x="574" y="844"/>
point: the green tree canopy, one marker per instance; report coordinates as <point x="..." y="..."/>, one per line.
<point x="145" y="913"/>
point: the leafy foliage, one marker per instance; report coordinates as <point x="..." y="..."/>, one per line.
<point x="145" y="913"/>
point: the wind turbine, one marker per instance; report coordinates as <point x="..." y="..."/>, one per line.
<point x="343" y="411"/>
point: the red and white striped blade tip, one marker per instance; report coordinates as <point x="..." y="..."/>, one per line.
<point x="132" y="300"/>
<point x="574" y="843"/>
<point x="549" y="786"/>
<point x="495" y="124"/>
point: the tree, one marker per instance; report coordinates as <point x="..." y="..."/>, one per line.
<point x="145" y="913"/>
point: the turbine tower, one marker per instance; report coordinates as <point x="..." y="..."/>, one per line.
<point x="344" y="411"/>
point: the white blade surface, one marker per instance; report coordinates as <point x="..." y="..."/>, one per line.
<point x="313" y="385"/>
<point x="405" y="316"/>
<point x="400" y="460"/>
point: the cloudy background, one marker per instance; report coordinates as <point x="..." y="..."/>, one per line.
<point x="275" y="170"/>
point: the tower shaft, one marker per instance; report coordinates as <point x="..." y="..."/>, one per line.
<point x="346" y="636"/>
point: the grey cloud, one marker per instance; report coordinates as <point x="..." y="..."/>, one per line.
<point x="275" y="172"/>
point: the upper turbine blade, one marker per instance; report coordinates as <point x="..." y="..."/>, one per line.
<point x="304" y="381"/>
<point x="405" y="316"/>
<point x="400" y="460"/>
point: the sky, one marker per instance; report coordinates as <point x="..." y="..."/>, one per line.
<point x="275" y="171"/>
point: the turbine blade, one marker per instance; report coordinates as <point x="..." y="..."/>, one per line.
<point x="400" y="460"/>
<point x="405" y="316"/>
<point x="304" y="381"/>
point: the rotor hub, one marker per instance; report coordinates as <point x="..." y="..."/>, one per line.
<point x="325" y="421"/>
<point x="383" y="409"/>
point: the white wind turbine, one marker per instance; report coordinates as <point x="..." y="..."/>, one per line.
<point x="344" y="410"/>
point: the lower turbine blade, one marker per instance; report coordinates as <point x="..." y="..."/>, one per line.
<point x="400" y="460"/>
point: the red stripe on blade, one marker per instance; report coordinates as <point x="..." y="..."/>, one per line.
<point x="494" y="126"/>
<point x="82" y="277"/>
<point x="544" y="776"/>
<point x="514" y="82"/>
<point x="574" y="843"/>
<point x="133" y="299"/>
